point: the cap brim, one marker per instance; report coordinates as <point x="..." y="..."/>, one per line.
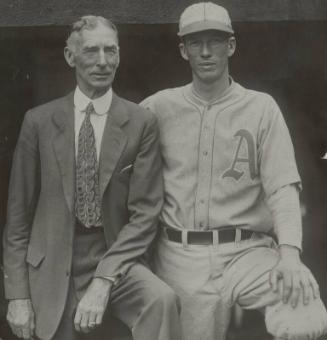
<point x="204" y="26"/>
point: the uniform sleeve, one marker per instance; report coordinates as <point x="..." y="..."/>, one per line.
<point x="276" y="153"/>
<point x="284" y="205"/>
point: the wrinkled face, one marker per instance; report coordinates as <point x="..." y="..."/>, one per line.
<point x="95" y="58"/>
<point x="208" y="53"/>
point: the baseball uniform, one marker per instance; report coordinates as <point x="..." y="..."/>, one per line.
<point x="224" y="163"/>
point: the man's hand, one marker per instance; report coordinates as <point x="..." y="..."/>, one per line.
<point x="90" y="310"/>
<point x="20" y="317"/>
<point x="295" y="276"/>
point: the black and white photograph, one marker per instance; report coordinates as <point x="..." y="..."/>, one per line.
<point x="163" y="170"/>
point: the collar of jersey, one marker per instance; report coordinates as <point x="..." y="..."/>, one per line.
<point x="101" y="105"/>
<point x="192" y="96"/>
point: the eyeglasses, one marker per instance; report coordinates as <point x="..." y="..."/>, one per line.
<point x="196" y="45"/>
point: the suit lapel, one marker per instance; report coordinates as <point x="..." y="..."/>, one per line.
<point x="113" y="142"/>
<point x="64" y="147"/>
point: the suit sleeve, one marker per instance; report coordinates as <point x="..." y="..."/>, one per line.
<point x="23" y="193"/>
<point x="144" y="205"/>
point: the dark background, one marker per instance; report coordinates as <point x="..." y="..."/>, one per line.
<point x="287" y="59"/>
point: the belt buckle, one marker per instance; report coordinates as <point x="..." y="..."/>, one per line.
<point x="200" y="237"/>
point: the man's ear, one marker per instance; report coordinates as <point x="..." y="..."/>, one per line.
<point x="118" y="58"/>
<point x="231" y="46"/>
<point x="183" y="51"/>
<point x="69" y="56"/>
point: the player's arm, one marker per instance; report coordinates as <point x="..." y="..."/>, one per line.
<point x="23" y="193"/>
<point x="281" y="183"/>
<point x="290" y="277"/>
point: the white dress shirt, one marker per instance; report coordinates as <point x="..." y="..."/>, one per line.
<point x="101" y="106"/>
<point x="98" y="120"/>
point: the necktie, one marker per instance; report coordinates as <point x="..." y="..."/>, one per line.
<point x="87" y="196"/>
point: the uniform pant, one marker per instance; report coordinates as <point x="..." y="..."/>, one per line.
<point x="140" y="300"/>
<point x="210" y="279"/>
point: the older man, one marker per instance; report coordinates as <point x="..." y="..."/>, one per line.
<point x="85" y="193"/>
<point x="230" y="179"/>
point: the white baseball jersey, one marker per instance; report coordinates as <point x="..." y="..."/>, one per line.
<point x="222" y="158"/>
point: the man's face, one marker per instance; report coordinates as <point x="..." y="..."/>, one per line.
<point x="95" y="58"/>
<point x="208" y="53"/>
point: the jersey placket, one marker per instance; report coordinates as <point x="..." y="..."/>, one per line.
<point x="204" y="167"/>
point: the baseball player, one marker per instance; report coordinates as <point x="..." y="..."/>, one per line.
<point x="230" y="181"/>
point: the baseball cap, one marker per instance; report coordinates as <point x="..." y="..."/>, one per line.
<point x="204" y="16"/>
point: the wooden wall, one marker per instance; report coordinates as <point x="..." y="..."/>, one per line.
<point x="62" y="12"/>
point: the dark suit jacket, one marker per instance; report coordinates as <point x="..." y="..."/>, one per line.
<point x="39" y="232"/>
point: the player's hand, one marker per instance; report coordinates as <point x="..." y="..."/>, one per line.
<point x="295" y="277"/>
<point x="90" y="309"/>
<point x="20" y="316"/>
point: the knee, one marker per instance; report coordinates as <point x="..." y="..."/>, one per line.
<point x="303" y="322"/>
<point x="165" y="299"/>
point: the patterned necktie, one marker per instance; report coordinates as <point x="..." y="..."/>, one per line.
<point x="87" y="196"/>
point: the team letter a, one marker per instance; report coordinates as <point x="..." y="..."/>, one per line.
<point x="233" y="172"/>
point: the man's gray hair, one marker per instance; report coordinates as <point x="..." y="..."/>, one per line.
<point x="87" y="22"/>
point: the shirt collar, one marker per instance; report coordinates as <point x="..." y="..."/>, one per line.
<point x="101" y="105"/>
<point x="191" y="95"/>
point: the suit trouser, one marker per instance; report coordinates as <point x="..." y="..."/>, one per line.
<point x="210" y="279"/>
<point x="142" y="301"/>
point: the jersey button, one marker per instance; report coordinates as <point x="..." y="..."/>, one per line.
<point x="202" y="201"/>
<point x="205" y="153"/>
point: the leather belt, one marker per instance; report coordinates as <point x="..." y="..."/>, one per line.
<point x="206" y="237"/>
<point x="80" y="229"/>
